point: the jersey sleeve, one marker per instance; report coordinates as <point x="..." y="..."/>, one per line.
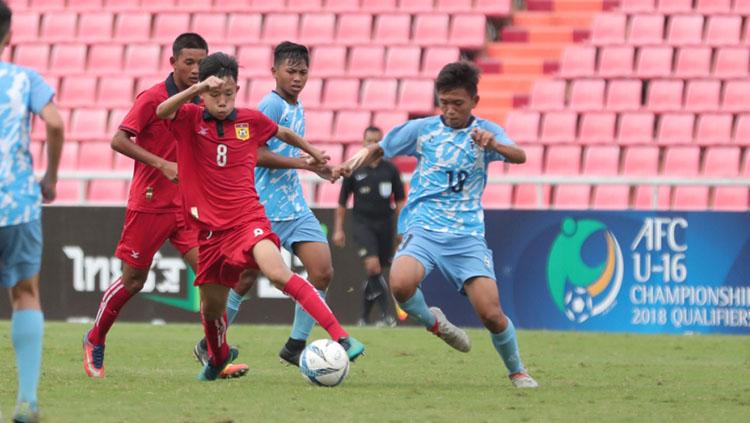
<point x="402" y="140"/>
<point x="347" y="186"/>
<point x="41" y="92"/>
<point x="500" y="136"/>
<point x="272" y="109"/>
<point x="142" y="114"/>
<point x="398" y="185"/>
<point x="264" y="128"/>
<point x="184" y="120"/>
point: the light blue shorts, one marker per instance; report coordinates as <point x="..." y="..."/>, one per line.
<point x="458" y="257"/>
<point x="303" y="229"/>
<point x="20" y="252"/>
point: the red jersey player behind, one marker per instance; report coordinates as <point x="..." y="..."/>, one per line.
<point x="217" y="154"/>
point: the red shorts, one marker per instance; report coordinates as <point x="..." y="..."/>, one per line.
<point x="144" y="233"/>
<point x="224" y="255"/>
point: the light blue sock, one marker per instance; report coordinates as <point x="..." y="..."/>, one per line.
<point x="303" y="322"/>
<point x="233" y="305"/>
<point x="506" y="345"/>
<point x="417" y="308"/>
<point x="27" y="333"/>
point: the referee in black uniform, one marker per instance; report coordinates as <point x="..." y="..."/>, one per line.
<point x="373" y="187"/>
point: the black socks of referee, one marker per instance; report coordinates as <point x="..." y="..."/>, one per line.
<point x="375" y="291"/>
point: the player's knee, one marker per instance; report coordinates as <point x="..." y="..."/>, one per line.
<point x="24" y="295"/>
<point x="213" y="310"/>
<point x="320" y="276"/>
<point x="372" y="268"/>
<point x="494" y="320"/>
<point x="401" y="290"/>
<point x="134" y="284"/>
<point x="247" y="280"/>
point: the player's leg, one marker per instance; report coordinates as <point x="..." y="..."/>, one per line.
<point x="214" y="319"/>
<point x="384" y="249"/>
<point x="372" y="288"/>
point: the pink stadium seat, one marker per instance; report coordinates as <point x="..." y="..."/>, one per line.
<point x="328" y="195"/>
<point x="523" y="126"/>
<point x="378" y="6"/>
<point x="379" y="94"/>
<point x="527" y="196"/>
<point x="69" y="191"/>
<point x="211" y="26"/>
<point x="404" y="164"/>
<point x="742" y="7"/>
<point x="534" y="162"/>
<point x="713" y="129"/>
<point x="336" y="151"/>
<point x="616" y="61"/>
<point x="493" y="8"/>
<point x="77" y="91"/>
<point x="723" y="30"/>
<point x="168" y="25"/>
<point x="497" y="196"/>
<point x="158" y="5"/>
<point x="635" y="6"/>
<point x="67" y="59"/>
<point x="105" y="59"/>
<point x="318" y="124"/>
<point x="611" y="197"/>
<point x="431" y="29"/>
<point x="115" y="91"/>
<point x="259" y="6"/>
<point x="366" y="61"/>
<point x="685" y="29"/>
<point x="38" y="129"/>
<point x="675" y="6"/>
<point x="329" y="61"/>
<point x="665" y="95"/>
<point x="435" y="58"/>
<point x="702" y="95"/>
<point x="392" y="29"/>
<point x="623" y="95"/>
<point x="69" y="157"/>
<point x="722" y="162"/>
<point x="563" y="160"/>
<point x="453" y="5"/>
<point x="123" y="162"/>
<point x="682" y="161"/>
<point x="675" y="128"/>
<point x="708" y="7"/>
<point x="142" y="83"/>
<point x="47" y="5"/>
<point x="742" y="131"/>
<point x="310" y="96"/>
<point x="641" y="161"/>
<point x="636" y="128"/>
<point x="402" y="62"/>
<point x="141" y="59"/>
<point x="95" y="156"/>
<point x="597" y="128"/>
<point x="317" y="28"/>
<point x="244" y="27"/>
<point x="278" y="27"/>
<point x="690" y="198"/>
<point x="348" y="126"/>
<point x="416" y="96"/>
<point x="601" y="160"/>
<point x="646" y="30"/>
<point x="304" y="5"/>
<point x="59" y="26"/>
<point x="731" y="198"/>
<point x="416" y="6"/>
<point x="578" y="61"/>
<point x="354" y="28"/>
<point x="693" y="62"/>
<point x="35" y="56"/>
<point x="572" y="197"/>
<point x="106" y="191"/>
<point x="654" y="62"/>
<point x="548" y="95"/>
<point x="468" y="31"/>
<point x="386" y="120"/>
<point x="133" y="27"/>
<point x="558" y="127"/>
<point x="732" y="62"/>
<point x="609" y="28"/>
<point x="341" y="93"/>
<point x="735" y="96"/>
<point x="587" y="94"/>
<point x="193" y="5"/>
<point x="25" y="26"/>
<point x="258" y="89"/>
<point x="89" y="125"/>
<point x="255" y="60"/>
<point x="121" y="5"/>
<point x="95" y="26"/>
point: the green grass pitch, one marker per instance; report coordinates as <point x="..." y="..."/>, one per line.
<point x="407" y="375"/>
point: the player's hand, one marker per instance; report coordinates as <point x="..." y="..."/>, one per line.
<point x="484" y="139"/>
<point x="343" y="170"/>
<point x="169" y="170"/>
<point x="325" y="172"/>
<point x="320" y="157"/>
<point x="210" y="83"/>
<point x="49" y="188"/>
<point x="339" y="239"/>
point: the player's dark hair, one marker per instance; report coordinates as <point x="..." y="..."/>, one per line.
<point x="5" y="15"/>
<point x="188" y="40"/>
<point x="293" y="52"/>
<point x="373" y="129"/>
<point x="219" y="65"/>
<point x="458" y="75"/>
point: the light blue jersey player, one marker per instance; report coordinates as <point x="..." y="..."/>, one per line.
<point x="23" y="92"/>
<point x="443" y="220"/>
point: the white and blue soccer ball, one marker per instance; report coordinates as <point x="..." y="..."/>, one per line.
<point x="578" y="304"/>
<point x="324" y="363"/>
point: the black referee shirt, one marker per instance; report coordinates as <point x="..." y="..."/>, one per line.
<point x="372" y="189"/>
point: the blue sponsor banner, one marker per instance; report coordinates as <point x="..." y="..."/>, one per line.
<point x="666" y="272"/>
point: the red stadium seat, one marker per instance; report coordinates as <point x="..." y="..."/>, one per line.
<point x="417" y="96"/>
<point x="735" y="96"/>
<point x="404" y="164"/>
<point x="279" y="27"/>
<point x="578" y="61"/>
<point x="742" y="131"/>
<point x="646" y="30"/>
<point x="95" y="26"/>
<point x="386" y="120"/>
<point x="431" y="29"/>
<point x="211" y="26"/>
<point x="653" y="62"/>
<point x="609" y="28"/>
<point x="317" y="28"/>
<point x="601" y="160"/>
<point x="641" y="160"/>
<point x="675" y="128"/>
<point x="693" y="62"/>
<point x="105" y="59"/>
<point x="675" y="6"/>
<point x="523" y="126"/>
<point x="89" y="125"/>
<point x="453" y="5"/>
<point x="133" y="27"/>
<point x="95" y="156"/>
<point x="328" y="195"/>
<point x="713" y="129"/>
<point x="708" y="7"/>
<point x="244" y="27"/>
<point x="497" y="196"/>
<point x="59" y="26"/>
<point x="644" y="198"/>
<point x="341" y="93"/>
<point x="318" y="124"/>
<point x="106" y="191"/>
<point x="665" y="95"/>
<point x="572" y="197"/>
<point x="690" y="198"/>
<point x="702" y="95"/>
<point x="563" y="160"/>
<point x="35" y="56"/>
<point x="723" y="30"/>
<point x="534" y="162"/>
<point x="415" y="6"/>
<point x="366" y="61"/>
<point x="636" y="128"/>
<point x="69" y="191"/>
<point x="548" y="95"/>
<point x="392" y="29"/>
<point x="730" y="198"/>
<point x="635" y="6"/>
<point x="115" y="91"/>
<point x="167" y="26"/>
<point x="732" y="62"/>
<point x="558" y="127"/>
<point x="587" y="94"/>
<point x="354" y="29"/>
<point x="402" y="62"/>
<point x="435" y="58"/>
<point x="616" y="61"/>
<point x="493" y="8"/>
<point x="25" y="27"/>
<point x="141" y="59"/>
<point x="67" y="59"/>
<point x="312" y="93"/>
<point x="77" y="91"/>
<point x="255" y="61"/>
<point x="722" y="162"/>
<point x="597" y="128"/>
<point x="611" y="197"/>
<point x="682" y="161"/>
<point x="685" y="30"/>
<point x="378" y="6"/>
<point x="348" y="126"/>
<point x="258" y="89"/>
<point x="623" y="95"/>
<point x="468" y="31"/>
<point x="379" y="94"/>
<point x="329" y="61"/>
<point x="528" y="196"/>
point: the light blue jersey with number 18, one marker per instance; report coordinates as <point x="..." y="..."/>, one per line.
<point x="446" y="187"/>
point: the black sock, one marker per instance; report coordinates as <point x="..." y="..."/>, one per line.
<point x="295" y="344"/>
<point x="204" y="344"/>
<point x="366" y="308"/>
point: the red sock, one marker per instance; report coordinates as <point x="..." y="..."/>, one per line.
<point x="113" y="300"/>
<point x="304" y="294"/>
<point x="216" y="338"/>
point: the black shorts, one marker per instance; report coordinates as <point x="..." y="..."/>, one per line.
<point x="374" y="238"/>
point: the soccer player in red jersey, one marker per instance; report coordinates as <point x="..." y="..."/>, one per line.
<point x="153" y="212"/>
<point x="217" y="152"/>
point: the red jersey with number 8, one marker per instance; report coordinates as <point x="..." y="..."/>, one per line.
<point x="216" y="161"/>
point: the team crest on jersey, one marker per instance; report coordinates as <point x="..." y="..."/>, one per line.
<point x="242" y="131"/>
<point x="385" y="189"/>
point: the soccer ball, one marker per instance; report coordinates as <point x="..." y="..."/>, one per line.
<point x="324" y="363"/>
<point x="578" y="304"/>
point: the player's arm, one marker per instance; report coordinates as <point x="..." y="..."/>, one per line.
<point x="55" y="138"/>
<point x="339" y="236"/>
<point x="488" y="141"/>
<point x="290" y="137"/>
<point x="271" y="160"/>
<point x="168" y="108"/>
<point x="363" y="157"/>
<point x="123" y="144"/>
<point x="399" y="141"/>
